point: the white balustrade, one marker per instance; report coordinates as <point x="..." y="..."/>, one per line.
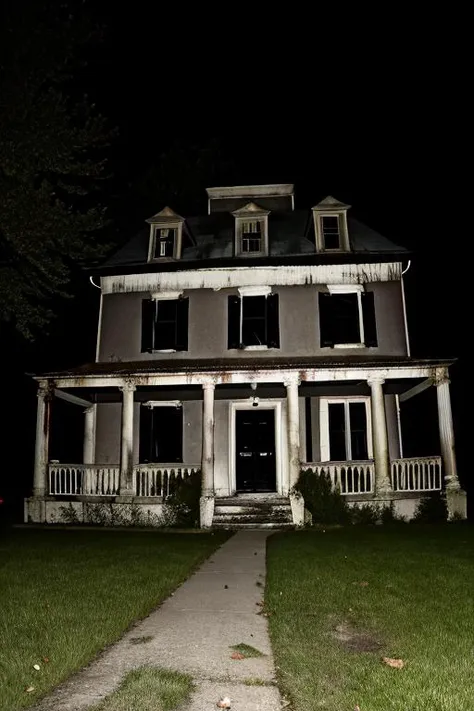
<point x="83" y="480"/>
<point x="417" y="474"/>
<point x="348" y="477"/>
<point x="157" y="479"/>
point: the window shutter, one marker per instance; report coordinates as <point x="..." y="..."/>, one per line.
<point x="273" y="321"/>
<point x="182" y="316"/>
<point x="326" y="335"/>
<point x="233" y="322"/>
<point x="368" y="314"/>
<point x="148" y="324"/>
<point x="146" y="424"/>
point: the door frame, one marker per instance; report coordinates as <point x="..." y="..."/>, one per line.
<point x="274" y="405"/>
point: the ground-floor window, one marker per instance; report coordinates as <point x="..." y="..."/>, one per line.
<point x="345" y="429"/>
<point x="161" y="434"/>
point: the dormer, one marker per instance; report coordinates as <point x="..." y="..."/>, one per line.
<point x="166" y="235"/>
<point x="251" y="231"/>
<point x="330" y="226"/>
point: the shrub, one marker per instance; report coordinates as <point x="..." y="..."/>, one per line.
<point x="432" y="509"/>
<point x="182" y="505"/>
<point x="365" y="515"/>
<point x="388" y="515"/>
<point x="324" y="504"/>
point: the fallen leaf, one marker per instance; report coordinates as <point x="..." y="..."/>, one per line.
<point x="36" y="666"/>
<point x="223" y="703"/>
<point x="45" y="660"/>
<point x="236" y="655"/>
<point x="394" y="663"/>
<point x="356" y="708"/>
<point x="363" y="583"/>
<point x="29" y="689"/>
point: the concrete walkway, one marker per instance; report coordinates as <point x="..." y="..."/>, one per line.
<point x="192" y="632"/>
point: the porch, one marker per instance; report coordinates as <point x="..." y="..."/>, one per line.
<point x="212" y="399"/>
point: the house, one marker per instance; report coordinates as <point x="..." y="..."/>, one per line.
<point x="247" y="344"/>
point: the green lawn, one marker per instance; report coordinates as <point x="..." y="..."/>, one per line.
<point x="149" y="689"/>
<point x="64" y="595"/>
<point x="340" y="600"/>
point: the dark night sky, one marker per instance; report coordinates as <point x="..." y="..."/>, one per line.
<point x="369" y="111"/>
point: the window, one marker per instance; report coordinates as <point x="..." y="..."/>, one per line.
<point x="165" y="325"/>
<point x="251" y="236"/>
<point x="161" y="434"/>
<point x="253" y="321"/>
<point x="165" y="238"/>
<point x="347" y="318"/>
<point x="330" y="232"/>
<point x="345" y="430"/>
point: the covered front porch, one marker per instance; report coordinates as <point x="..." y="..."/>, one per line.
<point x="309" y="412"/>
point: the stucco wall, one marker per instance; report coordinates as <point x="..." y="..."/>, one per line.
<point x="207" y="336"/>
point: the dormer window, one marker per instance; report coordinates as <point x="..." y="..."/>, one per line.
<point x="330" y="226"/>
<point x="166" y="229"/>
<point x="251" y="231"/>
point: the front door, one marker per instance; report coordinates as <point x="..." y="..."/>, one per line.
<point x="255" y="450"/>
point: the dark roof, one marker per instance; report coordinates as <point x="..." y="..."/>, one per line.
<point x="289" y="235"/>
<point x="141" y="367"/>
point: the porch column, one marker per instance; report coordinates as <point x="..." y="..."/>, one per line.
<point x="89" y="435"/>
<point x="40" y="478"/>
<point x="207" y="462"/>
<point x="126" y="447"/>
<point x="379" y="435"/>
<point x="446" y="430"/>
<point x="293" y="429"/>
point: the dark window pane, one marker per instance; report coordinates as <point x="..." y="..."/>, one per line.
<point x="330" y="229"/>
<point x="164" y="242"/>
<point x="254" y="321"/>
<point x="345" y="318"/>
<point x="167" y="435"/>
<point x="358" y="424"/>
<point x="337" y="432"/>
<point x="166" y="325"/>
<point x="251" y="244"/>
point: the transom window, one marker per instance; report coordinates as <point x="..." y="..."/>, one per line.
<point x="165" y="325"/>
<point x="165" y="238"/>
<point x="345" y="430"/>
<point x="347" y="319"/>
<point x="330" y="231"/>
<point x="251" y="236"/>
<point x="253" y="322"/>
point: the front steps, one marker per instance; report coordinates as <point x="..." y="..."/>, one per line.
<point x="252" y="511"/>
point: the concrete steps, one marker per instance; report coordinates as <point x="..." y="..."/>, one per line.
<point x="253" y="511"/>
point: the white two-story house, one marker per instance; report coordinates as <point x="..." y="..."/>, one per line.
<point x="248" y="344"/>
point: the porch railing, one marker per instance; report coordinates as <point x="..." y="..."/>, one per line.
<point x="348" y="477"/>
<point x="84" y="479"/>
<point x="157" y="479"/>
<point x="418" y="474"/>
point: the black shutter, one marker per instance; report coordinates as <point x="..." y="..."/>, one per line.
<point x="326" y="335"/>
<point x="148" y="325"/>
<point x="233" y="322"/>
<point x="146" y="424"/>
<point x="368" y="314"/>
<point x="182" y="316"/>
<point x="273" y="321"/>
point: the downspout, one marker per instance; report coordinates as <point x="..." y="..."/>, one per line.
<point x="99" y="323"/>
<point x="405" y="321"/>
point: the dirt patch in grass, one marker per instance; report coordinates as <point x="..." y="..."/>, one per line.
<point x="355" y="640"/>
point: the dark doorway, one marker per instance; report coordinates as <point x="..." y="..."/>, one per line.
<point x="255" y="450"/>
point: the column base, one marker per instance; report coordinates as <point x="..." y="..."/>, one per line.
<point x="456" y="500"/>
<point x="297" y="508"/>
<point x="206" y="511"/>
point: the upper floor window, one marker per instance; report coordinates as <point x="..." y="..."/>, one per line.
<point x="253" y="320"/>
<point x="251" y="230"/>
<point x="347" y="317"/>
<point x="166" y="235"/>
<point x="330" y="226"/>
<point x="165" y="325"/>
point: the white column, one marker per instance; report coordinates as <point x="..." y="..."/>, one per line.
<point x="89" y="435"/>
<point x="379" y="435"/>
<point x="293" y="430"/>
<point x="40" y="480"/>
<point x="207" y="462"/>
<point x="126" y="446"/>
<point x="446" y="429"/>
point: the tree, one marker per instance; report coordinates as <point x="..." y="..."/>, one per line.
<point x="53" y="148"/>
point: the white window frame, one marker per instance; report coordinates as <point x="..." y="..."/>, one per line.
<point x="339" y="232"/>
<point x="166" y="296"/>
<point x="344" y="245"/>
<point x="324" y="424"/>
<point x="351" y="289"/>
<point x="251" y="291"/>
<point x="154" y="237"/>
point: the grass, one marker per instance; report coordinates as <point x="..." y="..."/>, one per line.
<point x="247" y="650"/>
<point x="65" y="595"/>
<point x="339" y="601"/>
<point x="148" y="689"/>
